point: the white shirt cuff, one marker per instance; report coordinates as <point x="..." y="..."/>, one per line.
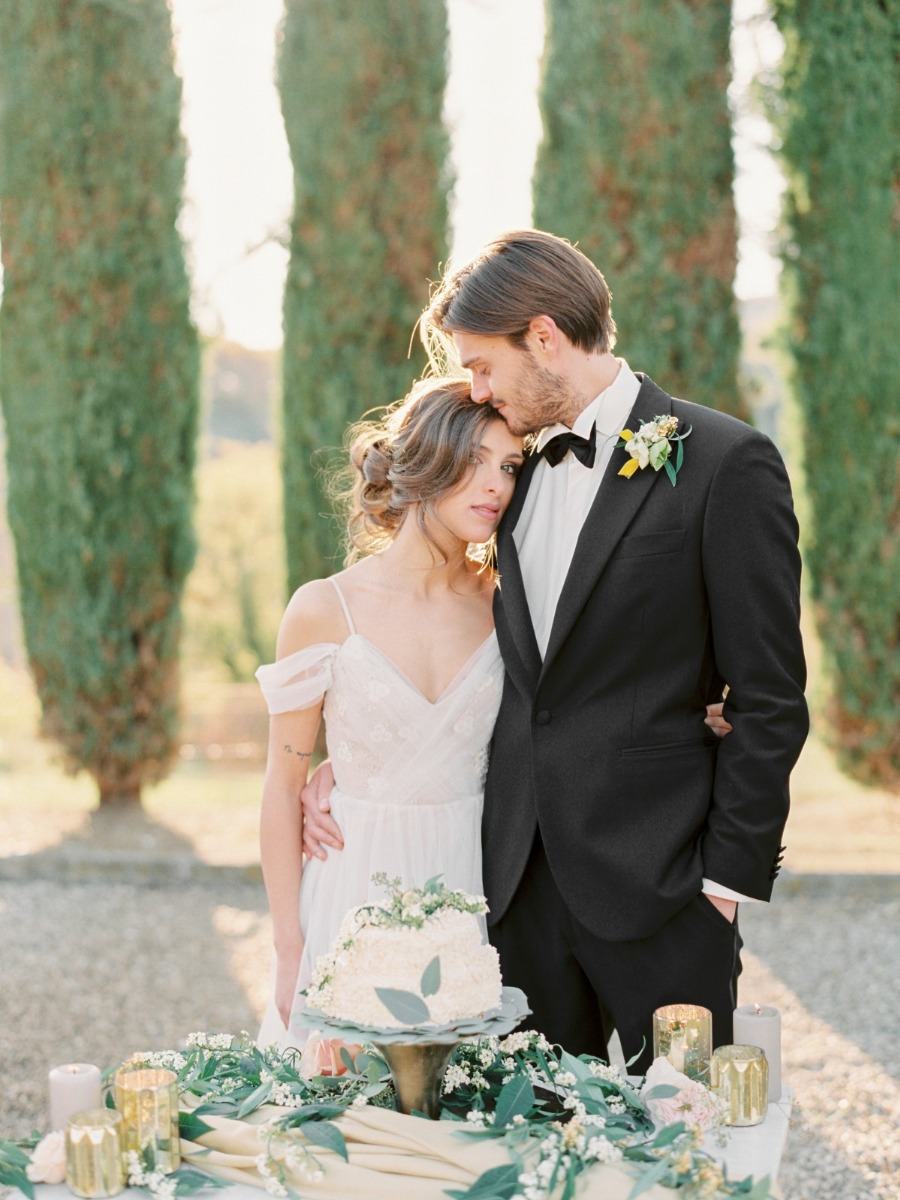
<point x="724" y="893"/>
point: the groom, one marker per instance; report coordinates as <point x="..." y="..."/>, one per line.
<point x="619" y="835"/>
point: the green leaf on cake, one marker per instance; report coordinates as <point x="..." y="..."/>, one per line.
<point x="405" y="1007"/>
<point x="431" y="977"/>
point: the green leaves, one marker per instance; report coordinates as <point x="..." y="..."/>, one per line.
<point x="516" y="1099"/>
<point x="326" y="1135"/>
<point x="406" y="1007"/>
<point x="13" y="1162"/>
<point x="191" y="1127"/>
<point x="431" y="977"/>
<point x="499" y="1183"/>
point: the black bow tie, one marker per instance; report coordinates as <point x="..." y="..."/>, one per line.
<point x="584" y="449"/>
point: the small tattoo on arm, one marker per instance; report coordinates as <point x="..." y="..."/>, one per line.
<point x="299" y="753"/>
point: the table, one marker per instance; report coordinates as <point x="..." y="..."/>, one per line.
<point x="394" y="1157"/>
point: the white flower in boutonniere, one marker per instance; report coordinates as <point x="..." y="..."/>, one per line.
<point x="652" y="446"/>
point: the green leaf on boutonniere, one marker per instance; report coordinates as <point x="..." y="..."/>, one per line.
<point x="659" y="452"/>
<point x="406" y="1007"/>
<point x="431" y="977"/>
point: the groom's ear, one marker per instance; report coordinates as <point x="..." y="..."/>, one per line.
<point x="543" y="335"/>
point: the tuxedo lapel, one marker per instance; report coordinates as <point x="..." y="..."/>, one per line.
<point x="511" y="598"/>
<point x="615" y="507"/>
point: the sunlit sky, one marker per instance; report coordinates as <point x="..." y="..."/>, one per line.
<point x="239" y="173"/>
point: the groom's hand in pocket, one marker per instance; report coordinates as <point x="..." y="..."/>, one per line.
<point x="319" y="827"/>
<point x="715" y="720"/>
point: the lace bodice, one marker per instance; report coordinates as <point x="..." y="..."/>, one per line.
<point x="386" y="741"/>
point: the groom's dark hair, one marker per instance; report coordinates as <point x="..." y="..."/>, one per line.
<point x="519" y="276"/>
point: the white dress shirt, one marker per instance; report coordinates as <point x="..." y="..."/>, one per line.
<point x="558" y="501"/>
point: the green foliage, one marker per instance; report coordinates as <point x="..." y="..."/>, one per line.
<point x="98" y="374"/>
<point x="234" y="596"/>
<point x="362" y="89"/>
<point x="636" y="167"/>
<point x="839" y="113"/>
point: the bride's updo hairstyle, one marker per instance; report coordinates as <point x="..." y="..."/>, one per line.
<point x="419" y="450"/>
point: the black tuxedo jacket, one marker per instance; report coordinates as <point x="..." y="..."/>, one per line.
<point x="672" y="593"/>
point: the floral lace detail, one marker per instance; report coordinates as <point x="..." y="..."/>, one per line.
<point x="409" y="750"/>
<point x="376" y="690"/>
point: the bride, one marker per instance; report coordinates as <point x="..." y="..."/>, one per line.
<point x="398" y="654"/>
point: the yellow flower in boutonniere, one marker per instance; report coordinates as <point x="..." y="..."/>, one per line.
<point x="652" y="446"/>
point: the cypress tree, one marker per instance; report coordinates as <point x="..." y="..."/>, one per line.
<point x="636" y="166"/>
<point x="362" y="88"/>
<point x="98" y="374"/>
<point x="839" y="113"/>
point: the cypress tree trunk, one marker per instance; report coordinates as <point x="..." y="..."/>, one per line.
<point x="362" y="89"/>
<point x="842" y="274"/>
<point x="98" y="374"/>
<point x="636" y="167"/>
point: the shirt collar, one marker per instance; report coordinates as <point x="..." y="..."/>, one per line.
<point x="608" y="411"/>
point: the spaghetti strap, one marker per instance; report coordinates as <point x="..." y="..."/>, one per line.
<point x="347" y="616"/>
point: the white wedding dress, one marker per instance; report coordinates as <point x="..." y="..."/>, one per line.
<point x="409" y="779"/>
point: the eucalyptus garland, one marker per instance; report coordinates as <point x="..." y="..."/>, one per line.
<point x="557" y="1114"/>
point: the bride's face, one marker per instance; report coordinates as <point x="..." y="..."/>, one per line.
<point x="472" y="510"/>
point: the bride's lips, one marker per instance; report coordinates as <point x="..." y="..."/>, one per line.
<point x="489" y="512"/>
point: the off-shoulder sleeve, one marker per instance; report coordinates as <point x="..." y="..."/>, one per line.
<point x="298" y="681"/>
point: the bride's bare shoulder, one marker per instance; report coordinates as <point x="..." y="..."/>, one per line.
<point x="313" y="615"/>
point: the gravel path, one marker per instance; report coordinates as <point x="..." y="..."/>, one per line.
<point x="93" y="970"/>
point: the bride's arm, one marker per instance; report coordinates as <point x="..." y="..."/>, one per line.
<point x="291" y="740"/>
<point x="309" y="625"/>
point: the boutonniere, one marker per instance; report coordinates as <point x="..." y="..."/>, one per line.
<point x="652" y="446"/>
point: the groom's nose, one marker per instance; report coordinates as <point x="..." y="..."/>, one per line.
<point x="481" y="389"/>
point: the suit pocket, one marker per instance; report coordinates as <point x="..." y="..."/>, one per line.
<point x="710" y="913"/>
<point x="665" y="749"/>
<point x="642" y="545"/>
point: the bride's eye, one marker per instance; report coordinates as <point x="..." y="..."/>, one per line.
<point x="511" y="468"/>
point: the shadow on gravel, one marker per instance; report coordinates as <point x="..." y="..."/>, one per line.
<point x="834" y="940"/>
<point x="122" y="846"/>
<point x="95" y="971"/>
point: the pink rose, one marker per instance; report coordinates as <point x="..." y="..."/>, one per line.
<point x="48" y="1159"/>
<point x="322" y="1056"/>
<point x="691" y="1102"/>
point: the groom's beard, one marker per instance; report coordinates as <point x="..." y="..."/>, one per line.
<point x="537" y="398"/>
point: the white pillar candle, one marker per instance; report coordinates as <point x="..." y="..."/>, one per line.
<point x="760" y="1025"/>
<point x="74" y="1087"/>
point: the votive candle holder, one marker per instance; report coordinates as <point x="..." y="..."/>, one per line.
<point x="94" y="1165"/>
<point x="739" y="1076"/>
<point x="682" y="1033"/>
<point x="148" y="1101"/>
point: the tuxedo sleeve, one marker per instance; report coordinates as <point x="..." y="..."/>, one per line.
<point x="751" y="566"/>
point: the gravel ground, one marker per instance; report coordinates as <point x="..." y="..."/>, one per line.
<point x="93" y="970"/>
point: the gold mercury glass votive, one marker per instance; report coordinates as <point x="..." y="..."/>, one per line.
<point x="739" y="1075"/>
<point x="682" y="1033"/>
<point x="148" y="1102"/>
<point x="94" y="1165"/>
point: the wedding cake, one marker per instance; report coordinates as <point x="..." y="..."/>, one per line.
<point x="417" y="959"/>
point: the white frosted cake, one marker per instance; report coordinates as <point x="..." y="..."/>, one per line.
<point x="418" y="959"/>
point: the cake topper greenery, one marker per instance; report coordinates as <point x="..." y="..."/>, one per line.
<point x="406" y="908"/>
